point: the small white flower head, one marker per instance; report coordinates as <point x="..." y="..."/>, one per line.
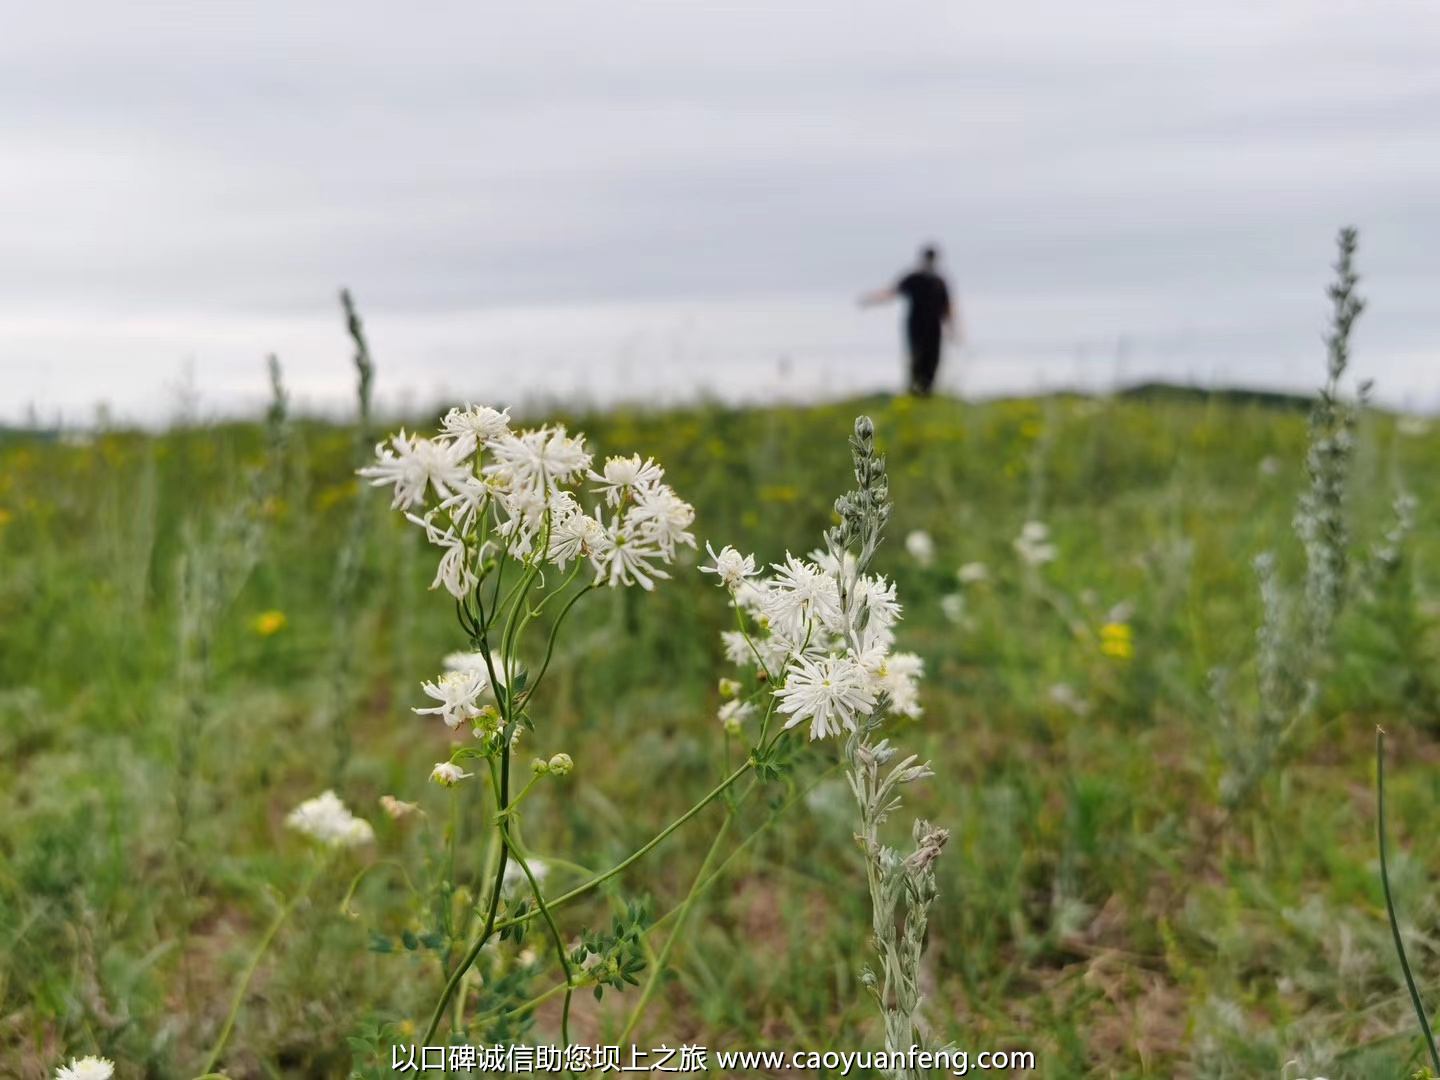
<point x="574" y="535"/>
<point x="800" y="592"/>
<point x="973" y="573"/>
<point x="415" y="463"/>
<point x="877" y="599"/>
<point x="448" y="774"/>
<point x="454" y="572"/>
<point x="515" y="875"/>
<point x="733" y="715"/>
<point x="458" y="693"/>
<point x="1269" y="466"/>
<point x="1033" y="544"/>
<point x="326" y="820"/>
<point x="537" y="461"/>
<point x="623" y="557"/>
<point x="729" y="688"/>
<point x="86" y="1068"/>
<point x="953" y="607"/>
<point x="732" y="568"/>
<point x="481" y="422"/>
<point x="738" y="649"/>
<point x="829" y="692"/>
<point x="561" y="765"/>
<point x="920" y="546"/>
<point x="662" y="518"/>
<point x="473" y="663"/>
<point x="625" y="476"/>
<point x="899" y="677"/>
<point x="395" y="809"/>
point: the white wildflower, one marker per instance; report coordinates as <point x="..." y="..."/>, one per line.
<point x="413" y="464"/>
<point x="625" y="476"/>
<point x="899" y="677"/>
<point x="729" y="688"/>
<point x="662" y="518"/>
<point x="738" y="649"/>
<point x="829" y="692"/>
<point x="473" y="663"/>
<point x="537" y="460"/>
<point x="574" y="535"/>
<point x="525" y="513"/>
<point x="952" y="605"/>
<point x="973" y="573"/>
<point x="458" y="693"/>
<point x="1033" y="544"/>
<point x="325" y="818"/>
<point x="454" y="571"/>
<point x="480" y="422"/>
<point x="844" y="569"/>
<point x="874" y="596"/>
<point x="750" y="597"/>
<point x="732" y="568"/>
<point x="798" y="592"/>
<point x="733" y="714"/>
<point x="448" y="774"/>
<point x="86" y="1068"/>
<point x="621" y="557"/>
<point x="920" y="546"/>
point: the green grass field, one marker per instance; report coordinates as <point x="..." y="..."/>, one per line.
<point x="1094" y="907"/>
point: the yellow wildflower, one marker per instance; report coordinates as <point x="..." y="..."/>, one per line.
<point x="268" y="622"/>
<point x="1116" y="640"/>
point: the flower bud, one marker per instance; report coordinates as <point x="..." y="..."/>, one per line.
<point x="561" y="764"/>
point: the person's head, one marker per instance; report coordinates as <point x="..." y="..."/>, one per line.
<point x="929" y="256"/>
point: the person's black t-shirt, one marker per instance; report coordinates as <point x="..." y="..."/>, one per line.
<point x="929" y="301"/>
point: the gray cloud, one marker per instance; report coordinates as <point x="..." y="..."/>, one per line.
<point x="1119" y="168"/>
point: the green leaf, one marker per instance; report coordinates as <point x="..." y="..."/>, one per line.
<point x="409" y="939"/>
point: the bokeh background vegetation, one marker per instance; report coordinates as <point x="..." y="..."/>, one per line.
<point x="145" y="772"/>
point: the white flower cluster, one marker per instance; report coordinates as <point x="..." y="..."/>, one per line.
<point x="86" y="1068"/>
<point x="828" y="665"/>
<point x="325" y="819"/>
<point x="482" y="483"/>
<point x="1033" y="545"/>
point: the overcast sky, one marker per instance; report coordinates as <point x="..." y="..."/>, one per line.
<point x="591" y="198"/>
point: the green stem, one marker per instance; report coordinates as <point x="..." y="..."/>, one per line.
<point x="595" y="882"/>
<point x="489" y="928"/>
<point x="653" y="983"/>
<point x="365" y="870"/>
<point x="1390" y="903"/>
<point x="554" y="933"/>
<point x="704" y="886"/>
<point x="239" y="999"/>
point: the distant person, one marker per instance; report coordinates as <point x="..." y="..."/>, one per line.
<point x="930" y="320"/>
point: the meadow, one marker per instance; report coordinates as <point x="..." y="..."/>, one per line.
<point x="177" y="674"/>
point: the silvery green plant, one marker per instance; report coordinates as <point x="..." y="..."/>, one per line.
<point x="902" y="888"/>
<point x="820" y="635"/>
<point x="1294" y="640"/>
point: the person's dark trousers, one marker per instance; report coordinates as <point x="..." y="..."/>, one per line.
<point x="924" y="359"/>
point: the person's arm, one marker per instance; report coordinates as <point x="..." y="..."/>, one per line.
<point x="879" y="296"/>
